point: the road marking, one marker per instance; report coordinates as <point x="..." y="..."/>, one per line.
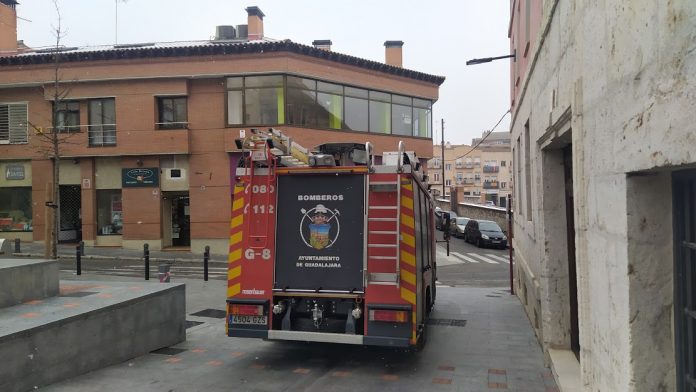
<point x="461" y="256"/>
<point x="496" y="257"/>
<point x="443" y="259"/>
<point x="487" y="260"/>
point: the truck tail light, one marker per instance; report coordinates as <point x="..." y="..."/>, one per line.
<point x="394" y="316"/>
<point x="246" y="310"/>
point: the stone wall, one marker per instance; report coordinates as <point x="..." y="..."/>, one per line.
<point x="477" y="211"/>
<point x="618" y="91"/>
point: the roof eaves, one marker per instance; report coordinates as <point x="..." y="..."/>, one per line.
<point x="213" y="48"/>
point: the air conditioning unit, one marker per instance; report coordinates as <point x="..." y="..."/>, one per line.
<point x="175" y="174"/>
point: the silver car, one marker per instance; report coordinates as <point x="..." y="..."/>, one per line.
<point x="457" y="226"/>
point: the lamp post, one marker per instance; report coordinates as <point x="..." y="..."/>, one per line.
<point x="489" y="59"/>
<point x="443" y="157"/>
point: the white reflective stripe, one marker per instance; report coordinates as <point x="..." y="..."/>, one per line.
<point x="487" y="260"/>
<point x="496" y="257"/>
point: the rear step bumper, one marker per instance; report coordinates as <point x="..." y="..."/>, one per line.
<point x="320" y="337"/>
<point x="315" y="337"/>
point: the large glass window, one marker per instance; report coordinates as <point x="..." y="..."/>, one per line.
<point x="256" y="100"/>
<point x="330" y="99"/>
<point x="109" y="212"/>
<point x="422" y="117"/>
<point x="67" y="116"/>
<point x="15" y="209"/>
<point x="235" y="101"/>
<point x="380" y="112"/>
<point x="302" y="98"/>
<point x="356" y="113"/>
<point x="402" y="122"/>
<point x="293" y="100"/>
<point x="102" y="122"/>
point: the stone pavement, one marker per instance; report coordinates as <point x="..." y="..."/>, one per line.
<point x="479" y="340"/>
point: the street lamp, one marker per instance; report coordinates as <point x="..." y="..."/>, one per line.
<point x="489" y="59"/>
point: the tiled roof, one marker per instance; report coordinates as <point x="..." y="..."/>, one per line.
<point x="204" y="48"/>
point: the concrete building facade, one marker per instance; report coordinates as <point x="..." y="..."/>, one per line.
<point x="147" y="130"/>
<point x="603" y="136"/>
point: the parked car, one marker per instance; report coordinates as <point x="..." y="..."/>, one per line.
<point x="484" y="233"/>
<point x="440" y="218"/>
<point x="458" y="225"/>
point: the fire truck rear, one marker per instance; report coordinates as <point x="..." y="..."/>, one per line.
<point x="327" y="246"/>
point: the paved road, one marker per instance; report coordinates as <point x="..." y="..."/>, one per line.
<point x="479" y="340"/>
<point x="469" y="266"/>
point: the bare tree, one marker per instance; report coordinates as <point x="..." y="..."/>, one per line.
<point x="53" y="139"/>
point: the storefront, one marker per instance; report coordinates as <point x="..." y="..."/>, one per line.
<point x="15" y="200"/>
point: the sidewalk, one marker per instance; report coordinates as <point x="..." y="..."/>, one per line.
<point x="479" y="340"/>
<point x="67" y="251"/>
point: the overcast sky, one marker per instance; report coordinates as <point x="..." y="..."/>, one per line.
<point x="439" y="37"/>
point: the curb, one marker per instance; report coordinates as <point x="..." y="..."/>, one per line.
<point x="123" y="258"/>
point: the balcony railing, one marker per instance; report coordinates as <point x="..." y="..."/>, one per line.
<point x="101" y="135"/>
<point x="468" y="181"/>
<point x="491" y="169"/>
<point x="491" y="185"/>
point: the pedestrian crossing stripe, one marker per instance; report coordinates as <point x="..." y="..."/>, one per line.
<point x="487" y="260"/>
<point x="466" y="258"/>
<point x="503" y="259"/>
<point x="475" y="257"/>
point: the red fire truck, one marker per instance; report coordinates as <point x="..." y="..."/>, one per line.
<point x="327" y="246"/>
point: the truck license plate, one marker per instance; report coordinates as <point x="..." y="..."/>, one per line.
<point x="256" y="320"/>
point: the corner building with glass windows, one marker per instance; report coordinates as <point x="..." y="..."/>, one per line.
<point x="148" y="130"/>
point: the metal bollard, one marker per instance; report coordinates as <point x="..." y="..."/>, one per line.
<point x="146" y="255"/>
<point x="82" y="248"/>
<point x="78" y="258"/>
<point x="206" y="258"/>
<point x="163" y="273"/>
<point x="18" y="248"/>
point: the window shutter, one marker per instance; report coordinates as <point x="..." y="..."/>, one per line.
<point x="4" y="124"/>
<point x="18" y="124"/>
<point x="13" y="124"/>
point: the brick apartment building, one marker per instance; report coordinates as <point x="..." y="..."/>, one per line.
<point x="478" y="174"/>
<point x="149" y="129"/>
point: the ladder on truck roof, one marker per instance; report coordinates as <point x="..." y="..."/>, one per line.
<point x="274" y="144"/>
<point x="260" y="155"/>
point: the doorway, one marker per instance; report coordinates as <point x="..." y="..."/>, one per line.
<point x="684" y="221"/>
<point x="176" y="222"/>
<point x="570" y="235"/>
<point x="70" y="214"/>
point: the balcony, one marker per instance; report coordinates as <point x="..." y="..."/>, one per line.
<point x="108" y="140"/>
<point x="468" y="181"/>
<point x="491" y="185"/>
<point x="491" y="169"/>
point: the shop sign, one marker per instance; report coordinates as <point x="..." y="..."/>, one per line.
<point x="140" y="177"/>
<point x="14" y="172"/>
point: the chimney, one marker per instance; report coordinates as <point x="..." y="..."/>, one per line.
<point x="392" y="53"/>
<point x="8" y="27"/>
<point x="323" y="44"/>
<point x="255" y="22"/>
